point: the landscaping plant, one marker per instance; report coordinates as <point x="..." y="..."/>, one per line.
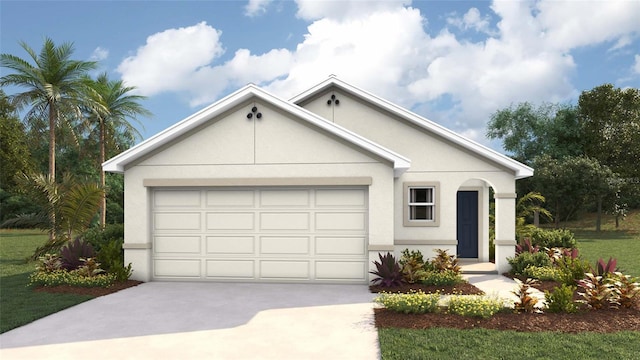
<point x="442" y="278"/>
<point x="560" y="300"/>
<point x="74" y="251"/>
<point x="413" y="266"/>
<point x="475" y="306"/>
<point x="628" y="290"/>
<point x="526" y="259"/>
<point x="597" y="292"/>
<point x="411" y="303"/>
<point x="443" y="261"/>
<point x="526" y="303"/>
<point x="388" y="271"/>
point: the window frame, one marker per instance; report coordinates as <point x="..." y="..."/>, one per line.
<point x="407" y="204"/>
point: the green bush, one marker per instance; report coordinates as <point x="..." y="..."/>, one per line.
<point x="73" y="278"/>
<point x="99" y="237"/>
<point x="553" y="238"/>
<point x="561" y="300"/>
<point x="412" y="265"/>
<point x="524" y="260"/>
<point x="442" y="278"/>
<point x="571" y="270"/>
<point x="411" y="303"/>
<point x="543" y="273"/>
<point x="476" y="306"/>
<point x="108" y="244"/>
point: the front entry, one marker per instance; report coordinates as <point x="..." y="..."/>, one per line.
<point x="467" y="224"/>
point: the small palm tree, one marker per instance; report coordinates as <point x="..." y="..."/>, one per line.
<point x="527" y="206"/>
<point x="116" y="104"/>
<point x="73" y="204"/>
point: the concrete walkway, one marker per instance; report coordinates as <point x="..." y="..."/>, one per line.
<point x="161" y="320"/>
<point x="501" y="287"/>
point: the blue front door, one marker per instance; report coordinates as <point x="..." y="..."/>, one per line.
<point x="467" y="220"/>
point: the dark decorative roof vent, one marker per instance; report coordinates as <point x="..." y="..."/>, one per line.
<point x="254" y="110"/>
<point x="333" y="100"/>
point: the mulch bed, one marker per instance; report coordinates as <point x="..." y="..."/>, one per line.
<point x="585" y="320"/>
<point x="91" y="291"/>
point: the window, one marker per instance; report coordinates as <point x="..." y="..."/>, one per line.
<point x="421" y="204"/>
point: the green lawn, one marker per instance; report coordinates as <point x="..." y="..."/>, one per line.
<point x="405" y="344"/>
<point x="20" y="305"/>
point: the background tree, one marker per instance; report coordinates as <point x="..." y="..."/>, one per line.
<point x="109" y="120"/>
<point x="54" y="82"/>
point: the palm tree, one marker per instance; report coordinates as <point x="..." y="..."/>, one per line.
<point x="527" y="206"/>
<point x="115" y="105"/>
<point x="55" y="86"/>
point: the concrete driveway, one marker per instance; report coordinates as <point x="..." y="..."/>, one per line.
<point x="166" y="320"/>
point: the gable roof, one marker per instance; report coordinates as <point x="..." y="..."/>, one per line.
<point x="521" y="170"/>
<point x="118" y="163"/>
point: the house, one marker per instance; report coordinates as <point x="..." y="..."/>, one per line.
<point x="258" y="188"/>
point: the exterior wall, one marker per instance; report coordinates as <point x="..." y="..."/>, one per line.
<point x="433" y="159"/>
<point x="274" y="150"/>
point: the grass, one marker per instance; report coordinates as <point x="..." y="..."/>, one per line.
<point x="622" y="243"/>
<point x="493" y="344"/>
<point x="19" y="304"/>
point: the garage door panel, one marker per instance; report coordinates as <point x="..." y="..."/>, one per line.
<point x="230" y="198"/>
<point x="285" y="245"/>
<point x="235" y="269"/>
<point x="341" y="198"/>
<point x="340" y="270"/>
<point x="230" y="245"/>
<point x="296" y="234"/>
<point x="284" y="270"/>
<point x="175" y="198"/>
<point x="230" y="221"/>
<point x="279" y="198"/>
<point x="177" y="221"/>
<point x="284" y="221"/>
<point x="340" y="221"/>
<point x="177" y="244"/>
<point x="177" y="268"/>
<point x="340" y="245"/>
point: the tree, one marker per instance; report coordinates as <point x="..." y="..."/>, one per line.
<point x="528" y="131"/>
<point x="14" y="152"/>
<point x="569" y="183"/>
<point x="55" y="85"/>
<point x="72" y="204"/>
<point x="528" y="206"/>
<point x="116" y="105"/>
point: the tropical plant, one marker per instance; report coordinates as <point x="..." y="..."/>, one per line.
<point x="73" y="252"/>
<point x="55" y="86"/>
<point x="524" y="260"/>
<point x="72" y="204"/>
<point x="443" y="261"/>
<point x="89" y="268"/>
<point x="526" y="303"/>
<point x="112" y="105"/>
<point x="412" y="265"/>
<point x="527" y="206"/>
<point x="597" y="292"/>
<point x="605" y="269"/>
<point x="525" y="246"/>
<point x="49" y="263"/>
<point x="388" y="271"/>
<point x="628" y="290"/>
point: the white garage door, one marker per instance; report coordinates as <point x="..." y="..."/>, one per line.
<point x="261" y="234"/>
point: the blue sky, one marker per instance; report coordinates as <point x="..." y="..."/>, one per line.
<point x="453" y="62"/>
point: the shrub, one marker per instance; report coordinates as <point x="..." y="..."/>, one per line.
<point x="49" y="263"/>
<point x="553" y="238"/>
<point x="73" y="278"/>
<point x="524" y="260"/>
<point x="526" y="303"/>
<point x="604" y="270"/>
<point x="73" y="252"/>
<point x="89" y="268"/>
<point x="411" y="303"/>
<point x="526" y="246"/>
<point x="442" y="278"/>
<point x="443" y="261"/>
<point x="388" y="271"/>
<point x="558" y="253"/>
<point x="571" y="269"/>
<point x="543" y="273"/>
<point x="476" y="306"/>
<point x="98" y="237"/>
<point x="597" y="292"/>
<point x="111" y="256"/>
<point x="412" y="265"/>
<point x="561" y="300"/>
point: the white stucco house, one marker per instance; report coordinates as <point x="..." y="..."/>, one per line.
<point x="311" y="189"/>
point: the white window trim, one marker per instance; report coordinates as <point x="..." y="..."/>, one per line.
<point x="406" y="203"/>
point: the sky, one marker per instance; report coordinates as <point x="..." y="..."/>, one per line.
<point x="452" y="62"/>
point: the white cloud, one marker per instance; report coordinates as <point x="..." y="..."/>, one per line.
<point x="256" y="7"/>
<point x="340" y="10"/>
<point x="168" y="60"/>
<point x="99" y="54"/>
<point x="636" y="66"/>
<point x="471" y="20"/>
